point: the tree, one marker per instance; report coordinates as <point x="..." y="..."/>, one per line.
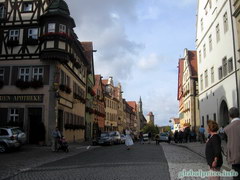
<point x="150" y="128"/>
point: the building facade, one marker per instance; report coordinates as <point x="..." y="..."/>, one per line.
<point x="142" y="120"/>
<point x="111" y="122"/>
<point x="100" y="106"/>
<point x="43" y="70"/>
<point x="190" y="89"/>
<point x="217" y="61"/>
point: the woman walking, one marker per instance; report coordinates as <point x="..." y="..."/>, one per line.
<point x="128" y="141"/>
<point x="213" y="149"/>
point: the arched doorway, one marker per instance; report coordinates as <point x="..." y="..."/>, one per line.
<point x="223" y="114"/>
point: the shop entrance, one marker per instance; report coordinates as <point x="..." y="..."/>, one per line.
<point x="36" y="126"/>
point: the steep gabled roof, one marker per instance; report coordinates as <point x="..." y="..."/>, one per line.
<point x="192" y="61"/>
<point x="133" y="104"/>
<point x="180" y="77"/>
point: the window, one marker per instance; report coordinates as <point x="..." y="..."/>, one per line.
<point x="65" y="79"/>
<point x="201" y="82"/>
<point x="27" y="6"/>
<point x="62" y="28"/>
<point x="201" y="24"/>
<point x="1" y="74"/>
<point x="13" y="115"/>
<point x="33" y="33"/>
<point x="38" y="73"/>
<point x="24" y="74"/>
<point x="200" y="56"/>
<point x="2" y="11"/>
<point x="14" y="35"/>
<point x="214" y="117"/>
<point x="224" y="65"/>
<point x="212" y="75"/>
<point x="206" y="78"/>
<point x="230" y="65"/>
<point x="225" y="22"/>
<point x="218" y="33"/>
<point x="204" y="50"/>
<point x="210" y="43"/>
<point x="203" y="121"/>
<point x="220" y="75"/>
<point x="51" y="27"/>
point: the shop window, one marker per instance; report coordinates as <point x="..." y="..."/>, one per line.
<point x="13" y="115"/>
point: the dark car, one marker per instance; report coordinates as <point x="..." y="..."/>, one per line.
<point x="11" y="138"/>
<point x="116" y="136"/>
<point x="105" y="139"/>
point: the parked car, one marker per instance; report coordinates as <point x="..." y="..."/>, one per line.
<point x="164" y="137"/>
<point x="11" y="138"/>
<point x="105" y="139"/>
<point x="116" y="136"/>
<point x="123" y="138"/>
<point x="145" y="137"/>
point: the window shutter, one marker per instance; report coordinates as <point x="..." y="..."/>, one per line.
<point x="14" y="75"/>
<point x="4" y="116"/>
<point x="46" y="75"/>
<point x="21" y="117"/>
<point x="6" y="75"/>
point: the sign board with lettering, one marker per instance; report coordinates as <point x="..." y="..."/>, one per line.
<point x="21" y="98"/>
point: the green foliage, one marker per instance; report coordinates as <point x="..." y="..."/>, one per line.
<point x="150" y="128"/>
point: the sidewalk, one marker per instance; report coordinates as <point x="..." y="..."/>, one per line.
<point x="199" y="149"/>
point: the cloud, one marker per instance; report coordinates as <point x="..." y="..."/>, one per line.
<point x="150" y="62"/>
<point x="104" y="22"/>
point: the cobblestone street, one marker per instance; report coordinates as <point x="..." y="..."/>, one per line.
<point x="147" y="161"/>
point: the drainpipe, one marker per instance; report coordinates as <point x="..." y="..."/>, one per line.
<point x="235" y="57"/>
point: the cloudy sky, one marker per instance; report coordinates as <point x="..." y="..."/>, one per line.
<point x="139" y="42"/>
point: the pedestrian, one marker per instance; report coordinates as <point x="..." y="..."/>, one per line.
<point x="175" y="136"/>
<point x="221" y="132"/>
<point x="149" y="137"/>
<point x="56" y="135"/>
<point x="201" y="134"/>
<point x="213" y="149"/>
<point x="141" y="138"/>
<point x="180" y="136"/>
<point x="157" y="139"/>
<point x="233" y="144"/>
<point x="128" y="141"/>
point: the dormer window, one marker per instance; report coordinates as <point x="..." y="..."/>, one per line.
<point x="2" y="11"/>
<point x="62" y="28"/>
<point x="51" y="27"/>
<point x="33" y="33"/>
<point x="14" y="35"/>
<point x="27" y="6"/>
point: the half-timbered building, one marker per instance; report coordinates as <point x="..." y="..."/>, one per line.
<point x="43" y="69"/>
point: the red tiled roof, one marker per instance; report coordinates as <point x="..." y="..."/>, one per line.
<point x="105" y="81"/>
<point x="133" y="104"/>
